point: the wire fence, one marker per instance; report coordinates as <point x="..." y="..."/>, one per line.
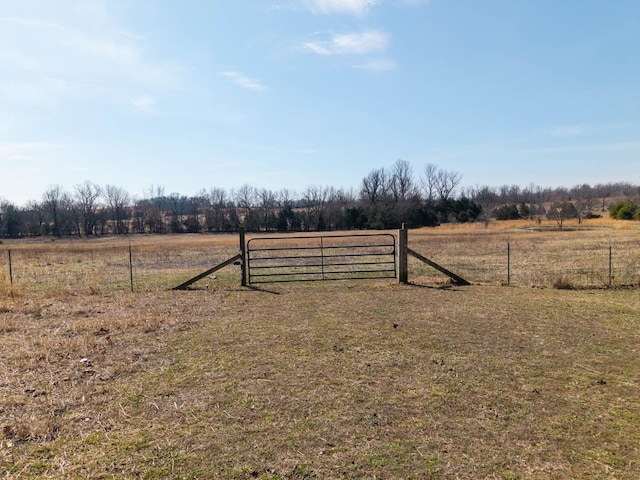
<point x="98" y="269"/>
<point x="560" y="260"/>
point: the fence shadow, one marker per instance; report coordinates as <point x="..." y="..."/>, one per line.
<point x="262" y="290"/>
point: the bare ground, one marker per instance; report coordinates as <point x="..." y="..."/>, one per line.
<point x="334" y="380"/>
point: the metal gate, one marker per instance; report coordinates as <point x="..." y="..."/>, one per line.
<point x="316" y="258"/>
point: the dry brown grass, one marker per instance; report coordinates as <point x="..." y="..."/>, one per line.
<point x="334" y="380"/>
<point x="338" y="380"/>
<point x="101" y="265"/>
<point x="540" y="254"/>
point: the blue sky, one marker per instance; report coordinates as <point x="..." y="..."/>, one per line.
<point x="196" y="94"/>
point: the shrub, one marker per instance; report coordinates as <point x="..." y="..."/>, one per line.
<point x="624" y="210"/>
<point x="507" y="212"/>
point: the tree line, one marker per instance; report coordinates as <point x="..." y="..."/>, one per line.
<point x="386" y="198"/>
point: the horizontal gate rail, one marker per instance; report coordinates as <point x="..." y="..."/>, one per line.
<point x="316" y="258"/>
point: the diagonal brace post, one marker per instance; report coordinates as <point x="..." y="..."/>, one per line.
<point x="184" y="285"/>
<point x="457" y="278"/>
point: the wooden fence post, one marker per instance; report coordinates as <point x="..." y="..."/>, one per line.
<point x="403" y="270"/>
<point x="243" y="259"/>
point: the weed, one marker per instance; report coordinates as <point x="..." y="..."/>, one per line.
<point x="562" y="282"/>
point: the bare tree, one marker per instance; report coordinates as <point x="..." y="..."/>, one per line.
<point x="446" y="182"/>
<point x="428" y="181"/>
<point x="153" y="209"/>
<point x="402" y="184"/>
<point x="215" y="215"/>
<point x="315" y="200"/>
<point x="246" y="199"/>
<point x="86" y="196"/>
<point x="117" y="199"/>
<point x="375" y="186"/>
<point x="52" y="201"/>
<point x="268" y="205"/>
<point x="35" y="217"/>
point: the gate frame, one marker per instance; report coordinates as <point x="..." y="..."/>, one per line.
<point x="390" y="273"/>
<point x="402" y="273"/>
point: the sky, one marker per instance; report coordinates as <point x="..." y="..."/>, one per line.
<point x="196" y="94"/>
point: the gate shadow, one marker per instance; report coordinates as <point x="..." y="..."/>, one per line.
<point x="262" y="290"/>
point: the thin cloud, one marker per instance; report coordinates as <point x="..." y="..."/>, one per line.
<point x="10" y="152"/>
<point x="88" y="62"/>
<point x="144" y="103"/>
<point x="567" y="131"/>
<point x="370" y="41"/>
<point x="351" y="7"/>
<point x="380" y="65"/>
<point x="604" y="147"/>
<point x="244" y="82"/>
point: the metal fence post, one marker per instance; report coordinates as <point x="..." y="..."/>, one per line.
<point x="130" y="267"/>
<point x="10" y="269"/>
<point x="508" y="261"/>
<point x="610" y="265"/>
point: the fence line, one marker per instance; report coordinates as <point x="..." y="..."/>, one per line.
<point x="490" y="259"/>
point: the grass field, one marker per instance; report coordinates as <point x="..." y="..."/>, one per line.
<point x="539" y="256"/>
<point x="324" y="380"/>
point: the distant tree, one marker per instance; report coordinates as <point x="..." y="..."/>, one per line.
<point x="355" y="218"/>
<point x="268" y="205"/>
<point x="507" y="212"/>
<point x="117" y="200"/>
<point x="487" y="198"/>
<point x="194" y="205"/>
<point x="375" y="186"/>
<point x="446" y="183"/>
<point x="286" y="219"/>
<point x="87" y="197"/>
<point x="152" y="209"/>
<point x="466" y="210"/>
<point x="515" y="194"/>
<point x="561" y="211"/>
<point x="216" y="214"/>
<point x="10" y="220"/>
<point x="34" y="219"/>
<point x="624" y="210"/>
<point x="246" y="199"/>
<point x="603" y="192"/>
<point x="177" y="209"/>
<point x="428" y="182"/>
<point x="585" y="196"/>
<point x="402" y="183"/>
<point x="315" y="200"/>
<point x="53" y="201"/>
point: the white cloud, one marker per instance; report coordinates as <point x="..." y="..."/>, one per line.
<point x="350" y="43"/>
<point x="75" y="58"/>
<point x="143" y="102"/>
<point x="353" y="7"/>
<point x="412" y="3"/>
<point x="379" y="65"/>
<point x="244" y="82"/>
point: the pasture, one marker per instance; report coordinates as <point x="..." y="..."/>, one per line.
<point x="323" y="380"/>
